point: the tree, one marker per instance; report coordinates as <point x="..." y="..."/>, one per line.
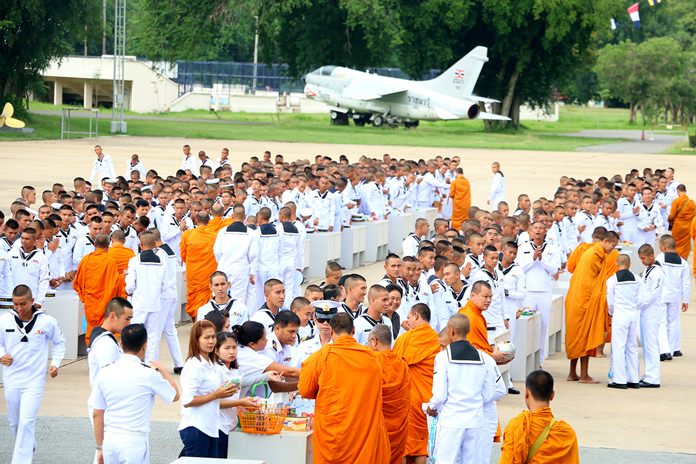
<point x="533" y="45"/>
<point x="33" y="34"/>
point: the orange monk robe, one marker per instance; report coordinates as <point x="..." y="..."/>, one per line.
<point x="560" y="447"/>
<point x="693" y="236"/>
<point x="121" y="255"/>
<point x="346" y="380"/>
<point x="478" y="331"/>
<point x="96" y="282"/>
<point x="680" y="217"/>
<point x="574" y="256"/>
<point x="585" y="304"/>
<point x="396" y="398"/>
<point x="418" y="348"/>
<point x="460" y="192"/>
<point x="611" y="265"/>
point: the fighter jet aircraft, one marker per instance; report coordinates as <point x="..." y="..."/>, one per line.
<point x="379" y="100"/>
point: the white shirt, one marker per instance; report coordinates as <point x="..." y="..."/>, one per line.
<point x="497" y="190"/>
<point x="126" y="391"/>
<point x="514" y="284"/>
<point x="198" y="378"/>
<point x="167" y="256"/>
<point x="228" y="416"/>
<point x="235" y="249"/>
<point x="651" y="289"/>
<point x="282" y="354"/>
<point x="251" y="364"/>
<point x="268" y="258"/>
<point x="146" y="279"/>
<point x="30" y="269"/>
<point x="677" y="284"/>
<point x="410" y="245"/>
<point x="191" y="163"/>
<point x="495" y="314"/>
<point x="30" y="358"/>
<point x="103" y="350"/>
<point x="539" y="273"/>
<point x="324" y="208"/>
<point x="83" y="246"/>
<point x="101" y="169"/>
<point x="171" y="232"/>
<point x="622" y="294"/>
<point x="627" y="217"/>
<point x="132" y="241"/>
<point x="583" y="218"/>
<point x="264" y="316"/>
<point x="135" y="167"/>
<point x="364" y="324"/>
<point x="237" y="310"/>
<point x="461" y="385"/>
<point x="252" y="205"/>
<point x="291" y="247"/>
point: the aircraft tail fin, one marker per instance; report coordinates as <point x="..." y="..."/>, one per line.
<point x="459" y="80"/>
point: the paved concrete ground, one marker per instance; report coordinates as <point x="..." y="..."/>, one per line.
<point x="633" y="144"/>
<point x="631" y="423"/>
<point x="68" y="440"/>
<point x="134" y="117"/>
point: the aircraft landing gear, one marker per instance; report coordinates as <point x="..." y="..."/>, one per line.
<point x="360" y="119"/>
<point x="411" y="124"/>
<point x="378" y="120"/>
<point x="339" y="119"/>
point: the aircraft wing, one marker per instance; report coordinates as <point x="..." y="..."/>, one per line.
<point x="484" y="99"/>
<point x="363" y="89"/>
<point x="492" y="116"/>
<point x="444" y="114"/>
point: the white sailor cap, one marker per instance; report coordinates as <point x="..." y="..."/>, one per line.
<point x="56" y="205"/>
<point x="212" y="181"/>
<point x="146" y="188"/>
<point x="110" y="180"/>
<point x="325" y="309"/>
<point x="305" y="212"/>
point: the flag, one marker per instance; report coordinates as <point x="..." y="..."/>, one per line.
<point x="614" y="24"/>
<point x="633" y="13"/>
<point x="654" y="2"/>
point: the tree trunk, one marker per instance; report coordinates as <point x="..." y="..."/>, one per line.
<point x="634" y="112"/>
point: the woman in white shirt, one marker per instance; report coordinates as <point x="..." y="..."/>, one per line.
<point x="226" y="352"/>
<point x="201" y="392"/>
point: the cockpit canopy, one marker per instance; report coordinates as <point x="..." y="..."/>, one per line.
<point x="324" y="71"/>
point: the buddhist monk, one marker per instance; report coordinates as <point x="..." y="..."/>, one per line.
<point x="396" y="390"/>
<point x="560" y="446"/>
<point x="460" y="192"/>
<point x="681" y="216"/>
<point x="585" y="307"/>
<point x="118" y="252"/>
<point x="418" y="347"/>
<point x="346" y="380"/>
<point x="582" y="247"/>
<point x="97" y="281"/>
<point x="479" y="301"/>
<point x="197" y="253"/>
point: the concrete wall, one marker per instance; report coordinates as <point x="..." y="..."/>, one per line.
<point x="146" y="89"/>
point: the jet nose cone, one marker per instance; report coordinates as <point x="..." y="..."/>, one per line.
<point x="310" y="91"/>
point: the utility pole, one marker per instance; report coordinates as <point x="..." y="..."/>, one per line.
<point x="118" y="124"/>
<point x="103" y="27"/>
<point x="256" y="56"/>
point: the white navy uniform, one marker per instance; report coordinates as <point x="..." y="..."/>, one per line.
<point x="539" y="282"/>
<point x="410" y="245"/>
<point x="291" y="248"/>
<point x="102" y="169"/>
<point x="627" y="217"/>
<point x="146" y="280"/>
<point x="461" y="384"/>
<point x="126" y="391"/>
<point x="306" y="349"/>
<point x="5" y="244"/>
<point x="24" y="380"/>
<point x="428" y="190"/>
<point x="515" y="289"/>
<point x="447" y="301"/>
<point x="490" y="410"/>
<point x="647" y="216"/>
<point x="238" y="312"/>
<point x="497" y="190"/>
<point x="84" y="245"/>
<point x="171" y="233"/>
<point x="191" y="163"/>
<point x="584" y="218"/>
<point x="103" y="350"/>
<point x="622" y="298"/>
<point x="30" y="269"/>
<point x="267" y="263"/>
<point x="168" y="302"/>
<point x="135" y="167"/>
<point x="675" y="291"/>
<point x="5" y="280"/>
<point x="344" y="308"/>
<point x="252" y="205"/>
<point x="235" y="249"/>
<point x="374" y="197"/>
<point x="570" y="234"/>
<point x="364" y="324"/>
<point x="476" y="262"/>
<point x="652" y="310"/>
<point x="132" y="240"/>
<point x="557" y="236"/>
<point x="282" y="354"/>
<point x="607" y="222"/>
<point x="264" y="316"/>
<point x="323" y="208"/>
<point x="495" y="315"/>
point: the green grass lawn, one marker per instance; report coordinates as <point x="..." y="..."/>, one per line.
<point x="315" y="128"/>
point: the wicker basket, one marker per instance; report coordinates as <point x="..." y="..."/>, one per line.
<point x="268" y="420"/>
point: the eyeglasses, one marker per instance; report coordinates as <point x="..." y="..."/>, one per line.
<point x="323" y="320"/>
